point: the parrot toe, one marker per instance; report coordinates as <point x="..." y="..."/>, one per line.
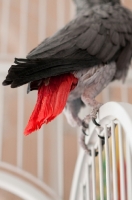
<point x="96" y="153"/>
<point x="85" y="126"/>
<point x="84" y="131"/>
<point x="94" y="121"/>
<point x="101" y="137"/>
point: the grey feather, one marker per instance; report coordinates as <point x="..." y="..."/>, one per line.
<point x="94" y="48"/>
<point x="111" y="54"/>
<point x="105" y="50"/>
<point x="122" y="40"/>
<point x="114" y="37"/>
<point x="86" y="38"/>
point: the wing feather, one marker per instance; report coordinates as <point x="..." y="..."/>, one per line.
<point x="96" y="45"/>
<point x="87" y="38"/>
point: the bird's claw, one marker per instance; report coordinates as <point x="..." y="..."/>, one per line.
<point x="84" y="131"/>
<point x="96" y="153"/>
<point x="84" y="124"/>
<point x="84" y="127"/>
<point x="101" y="137"/>
<point x="94" y="121"/>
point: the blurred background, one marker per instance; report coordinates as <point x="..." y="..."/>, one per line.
<point x="44" y="159"/>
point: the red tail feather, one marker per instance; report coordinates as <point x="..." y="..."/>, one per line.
<point x="52" y="97"/>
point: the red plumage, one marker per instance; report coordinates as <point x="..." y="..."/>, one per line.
<point x="52" y="97"/>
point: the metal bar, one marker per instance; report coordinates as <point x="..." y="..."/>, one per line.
<point x="22" y="50"/>
<point x="1" y="117"/>
<point x="124" y="93"/>
<point x="88" y="182"/>
<point x="42" y="15"/>
<point x="60" y="156"/>
<point x="84" y="191"/>
<point x="40" y="154"/>
<point x="106" y="94"/>
<point x="20" y="122"/>
<point x="75" y="192"/>
<point x="128" y="169"/>
<point x="122" y="176"/>
<point x="5" y="16"/>
<point x="123" y="1"/>
<point x="81" y="192"/>
<point x="107" y="164"/>
<point x="72" y="10"/>
<point x="23" y="26"/>
<point x="60" y="24"/>
<point x="93" y="173"/>
<point x="115" y="188"/>
<point x="101" y="170"/>
<point x="60" y="13"/>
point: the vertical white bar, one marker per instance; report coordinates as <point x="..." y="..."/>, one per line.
<point x="107" y="164"/>
<point x="20" y="122"/>
<point x="5" y="25"/>
<point x="60" y="156"/>
<point x="60" y="13"/>
<point x="122" y="176"/>
<point x="60" y="24"/>
<point x="79" y="131"/>
<point x="124" y="93"/>
<point x="1" y="116"/>
<point x="88" y="182"/>
<point x="101" y="170"/>
<point x="42" y="15"/>
<point x="72" y="10"/>
<point x="128" y="169"/>
<point x="106" y="94"/>
<point x="40" y="154"/>
<point x="123" y="1"/>
<point x="93" y="173"/>
<point x="81" y="192"/>
<point x="114" y="166"/>
<point x="23" y="27"/>
<point x="20" y="108"/>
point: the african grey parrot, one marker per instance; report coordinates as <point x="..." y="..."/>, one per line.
<point x="73" y="66"/>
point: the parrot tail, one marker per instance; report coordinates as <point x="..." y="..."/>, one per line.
<point x="52" y="97"/>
